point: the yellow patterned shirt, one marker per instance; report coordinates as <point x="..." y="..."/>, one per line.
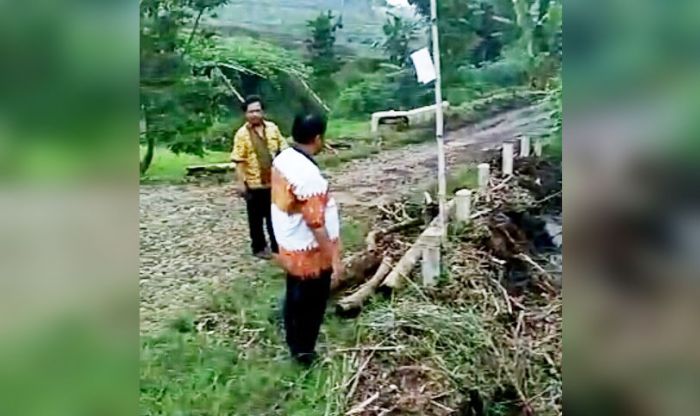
<point x="244" y="153"/>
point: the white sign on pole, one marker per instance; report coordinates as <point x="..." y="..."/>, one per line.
<point x="425" y="69"/>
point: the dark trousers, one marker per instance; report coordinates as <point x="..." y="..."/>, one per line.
<point x="258" y="202"/>
<point x="304" y="307"/>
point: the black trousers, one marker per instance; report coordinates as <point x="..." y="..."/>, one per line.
<point x="258" y="202"/>
<point x="304" y="307"/>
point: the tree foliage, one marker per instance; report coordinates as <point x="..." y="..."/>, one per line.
<point x="244" y="55"/>
<point x="400" y="34"/>
<point x="322" y="56"/>
<point x="471" y="32"/>
<point x="201" y="7"/>
<point x="177" y="103"/>
<point x="477" y="33"/>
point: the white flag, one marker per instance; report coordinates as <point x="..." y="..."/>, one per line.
<point x="425" y="69"/>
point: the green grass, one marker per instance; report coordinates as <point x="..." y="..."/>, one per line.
<point x="170" y="167"/>
<point x="167" y="167"/>
<point x="465" y="178"/>
<point x="343" y="129"/>
<point x="242" y="367"/>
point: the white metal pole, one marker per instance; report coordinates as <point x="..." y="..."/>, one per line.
<point x="439" y="126"/>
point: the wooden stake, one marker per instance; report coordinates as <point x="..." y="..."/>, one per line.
<point x="463" y="199"/>
<point x="430" y="265"/>
<point x="507" y="159"/>
<point x="524" y="146"/>
<point x="538" y="148"/>
<point x="439" y="123"/>
<point x="405" y="265"/>
<point x="483" y="176"/>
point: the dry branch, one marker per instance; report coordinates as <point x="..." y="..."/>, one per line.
<point x="210" y="168"/>
<point x="404" y="267"/>
<point x="361" y="407"/>
<point x="353" y="302"/>
<point x="357" y="268"/>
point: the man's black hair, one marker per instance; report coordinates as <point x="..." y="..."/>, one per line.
<point x="252" y="99"/>
<point x="307" y="127"/>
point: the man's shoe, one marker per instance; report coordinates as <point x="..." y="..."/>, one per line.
<point x="264" y="254"/>
<point x="306" y="359"/>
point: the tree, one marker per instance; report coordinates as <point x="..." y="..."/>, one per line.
<point x="177" y="103"/>
<point x="201" y="7"/>
<point x="468" y="30"/>
<point x="541" y="25"/>
<point x="322" y="57"/>
<point x="540" y="22"/>
<point x="399" y="36"/>
<point x="487" y="27"/>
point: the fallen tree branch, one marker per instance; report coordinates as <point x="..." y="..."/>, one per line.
<point x="377" y="348"/>
<point x="211" y="168"/>
<point x="405" y="265"/>
<point x="547" y="198"/>
<point x="330" y="148"/>
<point x="357" y="268"/>
<point x="355" y="380"/>
<point x="371" y="239"/>
<point x="546" y="285"/>
<point x="361" y="407"/>
<point x="351" y="304"/>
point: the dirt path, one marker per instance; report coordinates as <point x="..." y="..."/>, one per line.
<point x="194" y="238"/>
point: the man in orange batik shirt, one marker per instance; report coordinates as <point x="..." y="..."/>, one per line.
<point x="306" y="224"/>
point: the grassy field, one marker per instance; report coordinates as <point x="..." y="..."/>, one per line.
<point x="239" y="364"/>
<point x="168" y="167"/>
<point x="231" y="359"/>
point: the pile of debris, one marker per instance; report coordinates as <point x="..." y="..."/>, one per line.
<point x="487" y="338"/>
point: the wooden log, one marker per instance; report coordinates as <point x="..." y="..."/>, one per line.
<point x="357" y="268"/>
<point x="211" y="168"/>
<point x="362" y="265"/>
<point x="406" y="264"/>
<point x="372" y="236"/>
<point x="351" y="305"/>
<point x="340" y="145"/>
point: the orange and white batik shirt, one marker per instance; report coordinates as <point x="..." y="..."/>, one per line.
<point x="300" y="203"/>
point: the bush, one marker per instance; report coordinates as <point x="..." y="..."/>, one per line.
<point x="373" y="94"/>
<point x="381" y="92"/>
<point x="219" y="137"/>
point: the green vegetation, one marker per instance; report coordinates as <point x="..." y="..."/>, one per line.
<point x="232" y="359"/>
<point x="229" y="357"/>
<point x="322" y="55"/>
<point x="170" y="167"/>
<point x="192" y="79"/>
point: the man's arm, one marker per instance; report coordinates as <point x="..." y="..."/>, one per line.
<point x="239" y="156"/>
<point x="313" y="211"/>
<point x="280" y="141"/>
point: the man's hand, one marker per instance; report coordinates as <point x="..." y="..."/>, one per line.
<point x="338" y="266"/>
<point x="241" y="190"/>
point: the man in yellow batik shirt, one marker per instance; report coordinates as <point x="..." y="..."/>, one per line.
<point x="254" y="147"/>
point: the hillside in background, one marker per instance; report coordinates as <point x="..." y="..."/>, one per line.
<point x="284" y="21"/>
